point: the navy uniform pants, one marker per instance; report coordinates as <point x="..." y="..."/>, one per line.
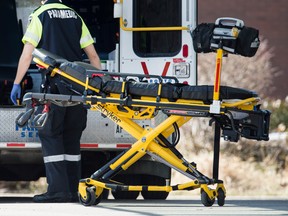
<point x="60" y="139"/>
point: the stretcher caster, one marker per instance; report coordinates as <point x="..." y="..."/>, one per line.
<point x="205" y="199"/>
<point x="221" y="197"/>
<point x="90" y="198"/>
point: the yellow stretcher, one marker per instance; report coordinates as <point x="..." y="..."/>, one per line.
<point x="235" y="112"/>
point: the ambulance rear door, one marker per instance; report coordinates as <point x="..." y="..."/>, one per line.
<point x="155" y="38"/>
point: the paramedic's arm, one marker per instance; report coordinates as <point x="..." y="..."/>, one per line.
<point x="93" y="56"/>
<point x="24" y="62"/>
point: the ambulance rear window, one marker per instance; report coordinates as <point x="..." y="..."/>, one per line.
<point x="160" y="13"/>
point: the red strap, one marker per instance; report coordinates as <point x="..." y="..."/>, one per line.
<point x="46" y="108"/>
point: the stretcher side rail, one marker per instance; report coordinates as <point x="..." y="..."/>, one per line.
<point x="252" y="124"/>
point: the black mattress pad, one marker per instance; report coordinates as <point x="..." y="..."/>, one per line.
<point x="106" y="84"/>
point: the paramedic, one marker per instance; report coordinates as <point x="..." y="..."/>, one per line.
<point x="60" y="30"/>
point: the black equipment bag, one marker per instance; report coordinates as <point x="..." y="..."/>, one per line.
<point x="201" y="36"/>
<point x="223" y="38"/>
<point x="247" y="42"/>
<point x="232" y="38"/>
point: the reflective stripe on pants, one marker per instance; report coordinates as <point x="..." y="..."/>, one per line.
<point x="62" y="157"/>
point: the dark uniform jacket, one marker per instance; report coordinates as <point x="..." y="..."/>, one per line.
<point x="53" y="26"/>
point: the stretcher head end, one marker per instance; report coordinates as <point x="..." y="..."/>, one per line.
<point x="48" y="57"/>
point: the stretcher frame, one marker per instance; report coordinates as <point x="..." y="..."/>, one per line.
<point x="152" y="141"/>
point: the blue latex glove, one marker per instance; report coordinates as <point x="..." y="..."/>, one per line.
<point x="15" y="93"/>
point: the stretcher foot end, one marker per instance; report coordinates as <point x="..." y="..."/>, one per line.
<point x="209" y="195"/>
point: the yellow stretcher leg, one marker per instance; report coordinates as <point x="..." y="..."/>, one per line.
<point x="147" y="143"/>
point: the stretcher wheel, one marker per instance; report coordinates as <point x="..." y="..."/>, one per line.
<point x="91" y="197"/>
<point x="221" y="197"/>
<point x="205" y="199"/>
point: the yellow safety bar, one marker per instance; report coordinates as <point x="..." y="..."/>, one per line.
<point x="172" y="28"/>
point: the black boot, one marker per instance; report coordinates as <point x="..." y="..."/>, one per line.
<point x="60" y="197"/>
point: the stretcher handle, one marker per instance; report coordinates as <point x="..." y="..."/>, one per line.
<point x="53" y="97"/>
<point x="47" y="57"/>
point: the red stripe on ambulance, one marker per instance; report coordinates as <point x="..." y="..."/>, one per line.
<point x="16" y="145"/>
<point x="123" y="145"/>
<point x="82" y="145"/>
<point x="144" y="67"/>
<point x="89" y="145"/>
<point x="164" y="72"/>
<point x="96" y="145"/>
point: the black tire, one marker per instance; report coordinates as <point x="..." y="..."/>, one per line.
<point x="221" y="197"/>
<point x="91" y="197"/>
<point x="127" y="180"/>
<point x="97" y="200"/>
<point x="156" y="195"/>
<point x="205" y="199"/>
<point x="120" y="195"/>
<point x="105" y="194"/>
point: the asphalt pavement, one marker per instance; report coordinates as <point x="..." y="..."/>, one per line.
<point x="22" y="205"/>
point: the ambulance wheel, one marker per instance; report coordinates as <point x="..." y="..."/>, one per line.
<point x="160" y="195"/>
<point x="127" y="179"/>
<point x="154" y="180"/>
<point x="205" y="199"/>
<point x="221" y="197"/>
<point x="105" y="194"/>
<point x="120" y="195"/>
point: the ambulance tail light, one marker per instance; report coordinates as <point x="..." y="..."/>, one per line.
<point x="185" y="50"/>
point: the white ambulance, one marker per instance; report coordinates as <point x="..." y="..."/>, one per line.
<point x="150" y="37"/>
